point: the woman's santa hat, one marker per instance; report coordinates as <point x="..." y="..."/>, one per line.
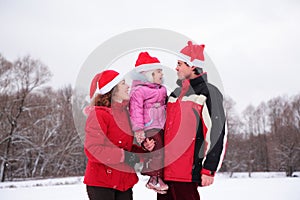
<point x="193" y="54"/>
<point x="103" y="82"/>
<point x="146" y="64"/>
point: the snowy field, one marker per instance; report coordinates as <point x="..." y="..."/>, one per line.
<point x="261" y="186"/>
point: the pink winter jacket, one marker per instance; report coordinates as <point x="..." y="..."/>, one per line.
<point x="147" y="105"/>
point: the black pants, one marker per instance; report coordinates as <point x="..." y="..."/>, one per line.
<point x="180" y="191"/>
<point x="101" y="193"/>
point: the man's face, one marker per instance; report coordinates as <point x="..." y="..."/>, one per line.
<point x="183" y="70"/>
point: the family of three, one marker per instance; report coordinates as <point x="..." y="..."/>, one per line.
<point x="180" y="138"/>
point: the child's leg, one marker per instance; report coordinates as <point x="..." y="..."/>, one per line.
<point x="153" y="163"/>
<point x="153" y="166"/>
<point x="156" y="183"/>
<point x="152" y="182"/>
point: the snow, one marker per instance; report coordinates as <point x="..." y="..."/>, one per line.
<point x="260" y="186"/>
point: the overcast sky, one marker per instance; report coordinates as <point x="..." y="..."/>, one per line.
<point x="254" y="44"/>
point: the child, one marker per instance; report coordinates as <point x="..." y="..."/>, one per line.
<point x="147" y="112"/>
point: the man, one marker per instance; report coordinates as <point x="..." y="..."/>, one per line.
<point x="194" y="135"/>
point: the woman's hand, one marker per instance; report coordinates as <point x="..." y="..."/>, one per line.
<point x="148" y="144"/>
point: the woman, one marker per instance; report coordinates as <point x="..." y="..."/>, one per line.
<point x="109" y="173"/>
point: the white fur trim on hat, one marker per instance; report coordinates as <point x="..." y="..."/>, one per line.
<point x="109" y="85"/>
<point x="187" y="59"/>
<point x="148" y="67"/>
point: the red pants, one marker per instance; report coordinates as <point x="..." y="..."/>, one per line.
<point x="180" y="191"/>
<point x="153" y="161"/>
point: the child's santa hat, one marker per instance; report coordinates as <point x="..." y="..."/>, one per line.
<point x="193" y="54"/>
<point x="146" y="64"/>
<point x="103" y="82"/>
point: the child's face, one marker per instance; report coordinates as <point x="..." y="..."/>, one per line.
<point x="158" y="76"/>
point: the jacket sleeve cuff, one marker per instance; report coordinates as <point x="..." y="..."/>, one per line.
<point x="208" y="172"/>
<point x="137" y="129"/>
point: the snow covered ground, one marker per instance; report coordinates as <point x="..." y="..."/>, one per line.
<point x="261" y="186"/>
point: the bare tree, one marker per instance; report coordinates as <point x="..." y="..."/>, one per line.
<point x="21" y="78"/>
<point x="261" y="142"/>
<point x="233" y="161"/>
<point x="249" y="129"/>
<point x="70" y="159"/>
<point x="284" y="119"/>
<point x="233" y="119"/>
<point x="51" y="146"/>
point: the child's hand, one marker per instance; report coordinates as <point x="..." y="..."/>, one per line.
<point x="148" y="144"/>
<point x="140" y="136"/>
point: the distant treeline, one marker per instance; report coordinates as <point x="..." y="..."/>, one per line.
<point x="264" y="138"/>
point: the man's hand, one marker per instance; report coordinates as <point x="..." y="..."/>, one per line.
<point x="206" y="180"/>
<point x="148" y="144"/>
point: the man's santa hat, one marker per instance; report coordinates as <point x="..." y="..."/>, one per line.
<point x="103" y="82"/>
<point x="146" y="64"/>
<point x="193" y="54"/>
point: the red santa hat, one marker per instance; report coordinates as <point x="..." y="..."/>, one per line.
<point x="145" y="62"/>
<point x="193" y="54"/>
<point x="104" y="82"/>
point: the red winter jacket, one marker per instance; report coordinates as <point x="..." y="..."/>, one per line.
<point x="194" y="135"/>
<point x="108" y="132"/>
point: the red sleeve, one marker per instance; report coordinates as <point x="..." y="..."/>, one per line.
<point x="208" y="172"/>
<point x="97" y="147"/>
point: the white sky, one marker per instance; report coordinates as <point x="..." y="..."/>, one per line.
<point x="254" y="44"/>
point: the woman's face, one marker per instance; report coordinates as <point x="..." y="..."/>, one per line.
<point x="121" y="92"/>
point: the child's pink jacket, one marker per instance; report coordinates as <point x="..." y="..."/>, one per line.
<point x="147" y="105"/>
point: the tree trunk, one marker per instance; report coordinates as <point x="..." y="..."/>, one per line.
<point x="6" y="153"/>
